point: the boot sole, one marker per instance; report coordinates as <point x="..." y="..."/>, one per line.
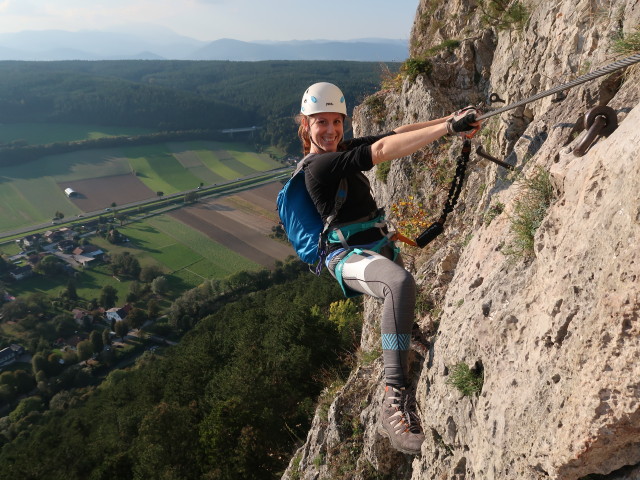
<point x="385" y="434"/>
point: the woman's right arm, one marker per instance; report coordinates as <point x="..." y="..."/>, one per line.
<point x="407" y="141"/>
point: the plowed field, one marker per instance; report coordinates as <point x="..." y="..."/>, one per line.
<point x="100" y="193"/>
<point x="241" y="223"/>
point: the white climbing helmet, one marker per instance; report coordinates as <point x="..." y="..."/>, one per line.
<point x="323" y="97"/>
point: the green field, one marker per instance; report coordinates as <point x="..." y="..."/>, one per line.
<point x="29" y="193"/>
<point x="187" y="257"/>
<point x="159" y="169"/>
<point x="32" y="201"/>
<point x="43" y="133"/>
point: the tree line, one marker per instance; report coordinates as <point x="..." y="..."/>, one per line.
<point x="176" y="95"/>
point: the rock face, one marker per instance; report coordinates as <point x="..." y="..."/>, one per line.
<point x="555" y="333"/>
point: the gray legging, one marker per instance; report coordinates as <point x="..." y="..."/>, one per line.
<point x="376" y="275"/>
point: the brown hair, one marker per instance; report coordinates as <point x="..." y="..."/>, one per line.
<point x="303" y="133"/>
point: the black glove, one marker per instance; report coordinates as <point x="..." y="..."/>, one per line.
<point x="463" y="122"/>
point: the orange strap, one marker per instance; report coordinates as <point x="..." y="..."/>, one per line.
<point x="402" y="238"/>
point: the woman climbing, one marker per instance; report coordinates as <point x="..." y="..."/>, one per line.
<point x="358" y="253"/>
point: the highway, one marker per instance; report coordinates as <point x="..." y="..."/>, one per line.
<point x="165" y="202"/>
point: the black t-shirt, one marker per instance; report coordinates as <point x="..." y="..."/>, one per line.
<point x="322" y="177"/>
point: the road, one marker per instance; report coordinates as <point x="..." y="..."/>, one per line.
<point x="219" y="189"/>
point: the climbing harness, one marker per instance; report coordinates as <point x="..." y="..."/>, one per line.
<point x="612" y="67"/>
<point x="599" y="121"/>
<point x="341" y="236"/>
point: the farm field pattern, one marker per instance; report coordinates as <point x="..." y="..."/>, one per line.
<point x="210" y="239"/>
<point x="32" y="192"/>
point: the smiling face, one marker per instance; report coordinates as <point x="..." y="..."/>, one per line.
<point x="326" y="131"/>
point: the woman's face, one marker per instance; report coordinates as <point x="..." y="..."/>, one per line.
<point x="326" y="130"/>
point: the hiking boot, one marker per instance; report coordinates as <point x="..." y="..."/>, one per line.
<point x="399" y="422"/>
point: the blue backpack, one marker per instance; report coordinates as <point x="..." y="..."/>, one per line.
<point x="300" y="218"/>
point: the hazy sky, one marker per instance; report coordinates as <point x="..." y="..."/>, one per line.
<point x="213" y="19"/>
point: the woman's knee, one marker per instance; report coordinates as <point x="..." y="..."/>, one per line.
<point x="402" y="282"/>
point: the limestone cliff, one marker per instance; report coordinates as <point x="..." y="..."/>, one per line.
<point x="553" y="333"/>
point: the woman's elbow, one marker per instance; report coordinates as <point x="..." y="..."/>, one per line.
<point x="378" y="153"/>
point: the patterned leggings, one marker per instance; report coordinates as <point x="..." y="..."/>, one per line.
<point x="376" y="275"/>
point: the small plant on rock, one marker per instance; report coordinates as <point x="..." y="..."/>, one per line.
<point x="530" y="209"/>
<point x="627" y="44"/>
<point x="468" y="381"/>
<point x="504" y="14"/>
<point x="413" y="67"/>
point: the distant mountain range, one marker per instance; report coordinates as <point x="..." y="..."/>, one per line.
<point x="159" y="44"/>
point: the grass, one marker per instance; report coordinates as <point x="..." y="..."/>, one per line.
<point x="382" y="171"/>
<point x="627" y="44"/>
<point x="24" y="202"/>
<point x="468" y="381"/>
<point x="413" y="67"/>
<point x="159" y="170"/>
<point x="492" y="212"/>
<point x="221" y="162"/>
<point x="503" y="14"/>
<point x="187" y="253"/>
<point x="529" y="210"/>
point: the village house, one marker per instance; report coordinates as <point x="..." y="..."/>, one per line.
<point x="30" y="241"/>
<point x="66" y="246"/>
<point x="21" y="273"/>
<point x="68" y="233"/>
<point x="10" y="354"/>
<point x="81" y="316"/>
<point x="86" y="254"/>
<point x="88" y="251"/>
<point x="52" y="236"/>
<point x="117" y="314"/>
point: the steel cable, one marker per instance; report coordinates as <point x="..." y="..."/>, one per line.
<point x="625" y="62"/>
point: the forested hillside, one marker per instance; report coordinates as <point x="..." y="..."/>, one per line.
<point x="229" y="402"/>
<point x="176" y="95"/>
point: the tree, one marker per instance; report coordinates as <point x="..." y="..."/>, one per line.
<point x="54" y="364"/>
<point x="108" y="296"/>
<point x="58" y="215"/>
<point x="85" y="350"/>
<point x="4" y="268"/>
<point x="7" y="393"/>
<point x="153" y="309"/>
<point x="159" y="194"/>
<point x="106" y="337"/>
<point x="125" y="264"/>
<point x="71" y="292"/>
<point x="24" y="382"/>
<point x="135" y="290"/>
<point x="50" y="266"/>
<point x="150" y="272"/>
<point x="26" y="406"/>
<point x="121" y="217"/>
<point x="121" y="329"/>
<point x="160" y="286"/>
<point x="96" y="341"/>
<point x="8" y="378"/>
<point x="136" y="317"/>
<point x="38" y="363"/>
<point x="190" y="197"/>
<point x="65" y="325"/>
